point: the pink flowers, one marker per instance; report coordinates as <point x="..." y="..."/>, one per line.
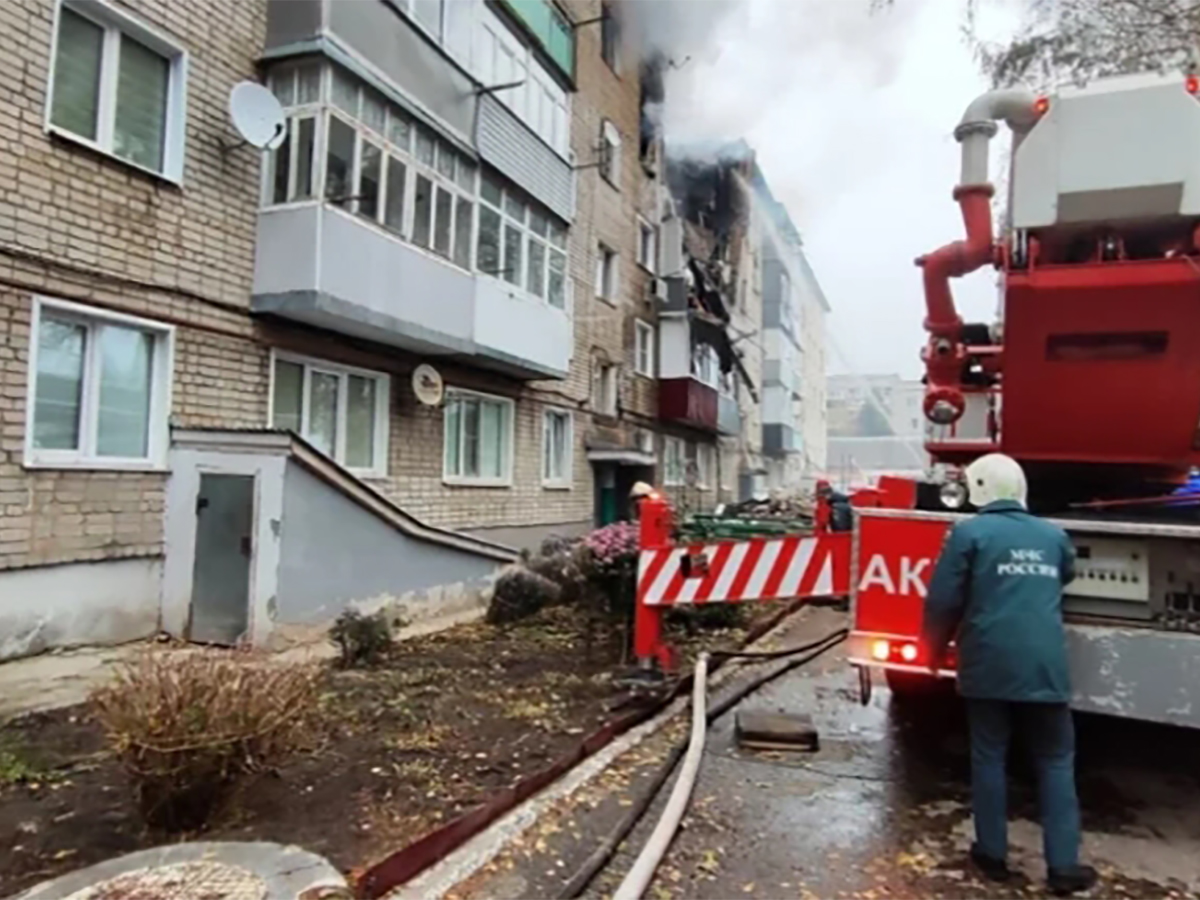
<point x="614" y="544"/>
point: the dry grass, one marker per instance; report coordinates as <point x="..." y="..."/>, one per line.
<point x="189" y="727"/>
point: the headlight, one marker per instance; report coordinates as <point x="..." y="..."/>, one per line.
<point x="953" y="495"/>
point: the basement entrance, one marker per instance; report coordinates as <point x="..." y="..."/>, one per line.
<point x="220" y="611"/>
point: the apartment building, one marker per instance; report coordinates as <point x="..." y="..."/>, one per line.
<point x="794" y="309"/>
<point x="243" y="389"/>
<point x="765" y="365"/>
<point x="876" y="428"/>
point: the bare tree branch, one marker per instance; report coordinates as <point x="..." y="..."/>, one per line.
<point x="1061" y="41"/>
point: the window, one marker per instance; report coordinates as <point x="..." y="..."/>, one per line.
<point x="674" y="461"/>
<point x="341" y="411"/>
<point x="606" y="273"/>
<point x="478" y="439"/>
<point x="706" y="466"/>
<point x="610" y="36"/>
<point x="610" y="153"/>
<point x="378" y="163"/>
<point x="499" y="57"/>
<point x="604" y="389"/>
<point x="119" y="87"/>
<point x="521" y="242"/>
<point x="643" y="348"/>
<point x="100" y="391"/>
<point x="647" y="245"/>
<point x="556" y="448"/>
<point x="706" y="365"/>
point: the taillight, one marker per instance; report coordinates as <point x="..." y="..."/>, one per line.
<point x="1192" y="84"/>
<point x="889" y="651"/>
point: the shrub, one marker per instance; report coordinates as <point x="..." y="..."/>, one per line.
<point x="610" y="562"/>
<point x="362" y="640"/>
<point x="707" y="617"/>
<point x="560" y="560"/>
<point x="189" y="728"/>
<point x="518" y="594"/>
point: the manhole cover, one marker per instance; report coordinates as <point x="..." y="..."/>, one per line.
<point x="182" y="881"/>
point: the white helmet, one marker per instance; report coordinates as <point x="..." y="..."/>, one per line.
<point x="996" y="477"/>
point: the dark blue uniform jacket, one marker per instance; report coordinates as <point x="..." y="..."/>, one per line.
<point x="998" y="586"/>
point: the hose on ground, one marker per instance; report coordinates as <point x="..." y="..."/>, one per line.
<point x="600" y="857"/>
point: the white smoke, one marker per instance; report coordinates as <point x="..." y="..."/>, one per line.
<point x="735" y="63"/>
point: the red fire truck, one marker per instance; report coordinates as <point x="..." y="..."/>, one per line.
<point x="1090" y="378"/>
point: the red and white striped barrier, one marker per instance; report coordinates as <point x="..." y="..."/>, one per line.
<point x="736" y="571"/>
<point x="759" y="568"/>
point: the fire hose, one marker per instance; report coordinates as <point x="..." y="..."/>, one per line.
<point x="643" y="869"/>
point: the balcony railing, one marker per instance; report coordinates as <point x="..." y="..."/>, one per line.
<point x="687" y="401"/>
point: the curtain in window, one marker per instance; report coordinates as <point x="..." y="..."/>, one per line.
<point x="423" y="212"/>
<point x="491" y="440"/>
<point x="360" y="422"/>
<point x="339" y="165"/>
<point x="453" y="438"/>
<point x="288" y="396"/>
<point x="58" y="392"/>
<point x="123" y="421"/>
<point x="464" y="216"/>
<point x="487" y="256"/>
<point x="393" y="206"/>
<point x="442" y="231"/>
<point x="557" y="293"/>
<point x="77" y="74"/>
<point x="370" y="174"/>
<point x="512" y="254"/>
<point x="323" y="412"/>
<point x="143" y="79"/>
<point x="470" y="439"/>
<point x="536" y="283"/>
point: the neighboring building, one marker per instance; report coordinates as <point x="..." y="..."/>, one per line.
<point x="615" y="258"/>
<point x="875" y="406"/>
<point x="876" y="428"/>
<point x="711" y="336"/>
<point x="769" y="364"/>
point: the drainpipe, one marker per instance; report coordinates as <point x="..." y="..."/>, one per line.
<point x="945" y="354"/>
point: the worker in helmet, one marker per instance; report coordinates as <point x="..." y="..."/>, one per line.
<point x="998" y="586"/>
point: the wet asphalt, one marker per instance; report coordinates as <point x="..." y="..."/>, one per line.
<point x="880" y="810"/>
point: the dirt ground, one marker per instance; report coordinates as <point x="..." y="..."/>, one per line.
<point x="447" y="721"/>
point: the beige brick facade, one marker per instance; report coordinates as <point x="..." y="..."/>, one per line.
<point x="81" y="226"/>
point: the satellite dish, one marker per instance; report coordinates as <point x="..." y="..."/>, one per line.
<point x="427" y="384"/>
<point x="257" y="115"/>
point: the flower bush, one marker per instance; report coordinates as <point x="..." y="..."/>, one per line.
<point x="613" y="548"/>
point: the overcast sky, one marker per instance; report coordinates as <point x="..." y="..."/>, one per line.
<point x="851" y="115"/>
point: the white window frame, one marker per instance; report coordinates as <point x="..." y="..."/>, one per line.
<point x="647" y="256"/>
<point x="116" y="22"/>
<point x="555" y="241"/>
<point x="463" y="185"/>
<point x="610" y="149"/>
<point x="607" y="279"/>
<point x="674" y="449"/>
<point x="705" y="466"/>
<point x="643" y="340"/>
<point x="549" y="480"/>
<point x="382" y="406"/>
<point x="161" y="385"/>
<point x="509" y="446"/>
<point x="606" y="400"/>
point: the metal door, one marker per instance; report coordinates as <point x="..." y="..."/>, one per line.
<point x="220" y="612"/>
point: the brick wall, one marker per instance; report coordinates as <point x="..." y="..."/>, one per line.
<point x="78" y="225"/>
<point x="607" y="213"/>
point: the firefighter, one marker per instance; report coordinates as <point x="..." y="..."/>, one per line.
<point x="998" y="586"/>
